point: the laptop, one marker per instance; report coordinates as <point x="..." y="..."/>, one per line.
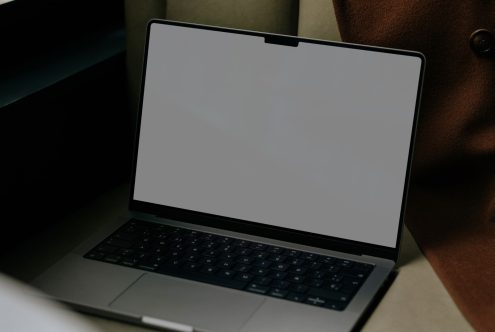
<point x="268" y="189"/>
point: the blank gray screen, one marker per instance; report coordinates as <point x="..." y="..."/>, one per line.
<point x="313" y="138"/>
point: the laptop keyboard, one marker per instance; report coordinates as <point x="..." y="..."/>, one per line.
<point x="278" y="272"/>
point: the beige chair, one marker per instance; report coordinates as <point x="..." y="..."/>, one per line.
<point x="308" y="18"/>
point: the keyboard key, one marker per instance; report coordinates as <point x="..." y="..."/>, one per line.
<point x="178" y="246"/>
<point x="277" y="292"/>
<point x="310" y="257"/>
<point x="259" y="271"/>
<point x="256" y="288"/>
<point x="363" y="266"/>
<point x="224" y="240"/>
<point x="244" y="277"/>
<point x="210" y="245"/>
<point x="210" y="253"/>
<point x="147" y="239"/>
<point x="296" y="297"/>
<point x="280" y="284"/>
<point x="175" y="253"/>
<point x="193" y="241"/>
<point x="314" y="265"/>
<point x="116" y="242"/>
<point x="280" y="266"/>
<point x="107" y="249"/>
<point x="316" y="282"/>
<point x="347" y="290"/>
<point x="175" y="263"/>
<point x="244" y="251"/>
<point x="207" y="237"/>
<point x="192" y="258"/>
<point x="246" y="260"/>
<point x="262" y="263"/>
<point x="258" y="246"/>
<point x="227" y="273"/>
<point x="337" y="278"/>
<point x="226" y="248"/>
<point x="326" y="260"/>
<point x="344" y="263"/>
<point x="209" y="269"/>
<point x="242" y="268"/>
<point x="335" y="286"/>
<point x="315" y="300"/>
<point x="261" y="255"/>
<point x="331" y="269"/>
<point x="296" y="278"/>
<point x="161" y="243"/>
<point x="335" y="305"/>
<point x="195" y="250"/>
<point x="160" y="251"/>
<point x="207" y="260"/>
<point x="298" y="288"/>
<point x="192" y="266"/>
<point x="318" y="274"/>
<point x="293" y="253"/>
<point x="299" y="270"/>
<point x="148" y="265"/>
<point x="112" y="258"/>
<point x="263" y="281"/>
<point x="142" y="255"/>
<point x="129" y="261"/>
<point x="354" y="283"/>
<point x="229" y="255"/>
<point x="329" y="294"/>
<point x="278" y="258"/>
<point x="354" y="274"/>
<point x="275" y="250"/>
<point x="127" y="236"/>
<point x="279" y="275"/>
<point x="226" y="264"/>
<point x="296" y="261"/>
<point x="242" y="243"/>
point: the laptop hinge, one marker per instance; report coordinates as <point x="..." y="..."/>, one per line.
<point x="282" y="40"/>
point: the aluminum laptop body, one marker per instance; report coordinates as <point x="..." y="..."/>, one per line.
<point x="283" y="142"/>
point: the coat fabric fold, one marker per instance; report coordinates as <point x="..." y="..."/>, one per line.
<point x="451" y="204"/>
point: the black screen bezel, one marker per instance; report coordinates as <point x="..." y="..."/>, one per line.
<point x="258" y="229"/>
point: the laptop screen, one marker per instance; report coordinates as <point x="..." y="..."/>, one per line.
<point x="313" y="138"/>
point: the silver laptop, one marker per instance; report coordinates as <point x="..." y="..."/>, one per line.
<point x="269" y="186"/>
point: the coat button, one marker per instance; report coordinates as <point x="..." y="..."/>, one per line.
<point x="482" y="42"/>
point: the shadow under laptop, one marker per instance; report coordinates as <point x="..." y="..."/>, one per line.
<point x="409" y="249"/>
<point x="375" y="302"/>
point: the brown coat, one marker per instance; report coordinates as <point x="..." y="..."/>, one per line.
<point x="451" y="209"/>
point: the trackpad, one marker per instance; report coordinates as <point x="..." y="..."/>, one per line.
<point x="202" y="306"/>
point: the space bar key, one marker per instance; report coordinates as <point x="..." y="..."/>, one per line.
<point x="197" y="276"/>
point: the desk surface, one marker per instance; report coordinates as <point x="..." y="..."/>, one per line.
<point x="416" y="301"/>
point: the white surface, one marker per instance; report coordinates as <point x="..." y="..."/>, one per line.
<point x="23" y="309"/>
<point x="313" y="138"/>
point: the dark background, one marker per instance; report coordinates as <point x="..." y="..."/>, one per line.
<point x="64" y="137"/>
